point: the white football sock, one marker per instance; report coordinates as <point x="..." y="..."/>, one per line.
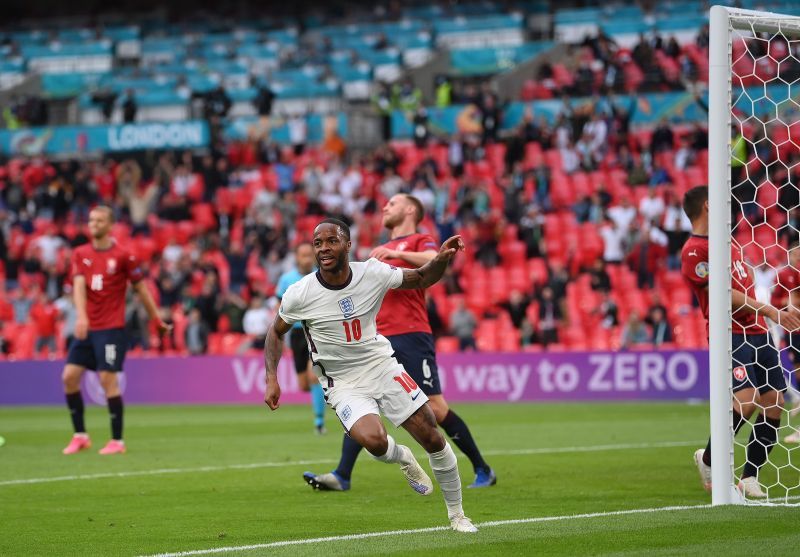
<point x="394" y="453"/>
<point x="445" y="468"/>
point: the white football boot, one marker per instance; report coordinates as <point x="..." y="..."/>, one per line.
<point x="704" y="469"/>
<point x="751" y="489"/>
<point x="461" y="523"/>
<point x="416" y="476"/>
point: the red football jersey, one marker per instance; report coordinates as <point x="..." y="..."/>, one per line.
<point x="788" y="279"/>
<point x="694" y="267"/>
<point x="107" y="273"/>
<point x="405" y="311"/>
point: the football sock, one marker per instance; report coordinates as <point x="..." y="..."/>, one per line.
<point x="762" y="439"/>
<point x="393" y="454"/>
<point x="738" y="422"/>
<point x="115" y="411"/>
<point x="318" y="404"/>
<point x="350" y="451"/>
<point x="458" y="431"/>
<point x="75" y="405"/>
<point x="445" y="468"/>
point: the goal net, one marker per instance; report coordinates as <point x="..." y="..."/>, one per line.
<point x="754" y="205"/>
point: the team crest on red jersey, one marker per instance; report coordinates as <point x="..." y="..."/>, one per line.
<point x="111" y="266"/>
<point x="739" y="373"/>
<point x="402" y="246"/>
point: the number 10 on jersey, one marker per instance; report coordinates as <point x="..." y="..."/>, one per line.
<point x="352" y="330"/>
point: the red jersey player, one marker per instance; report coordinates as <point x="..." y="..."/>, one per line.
<point x="786" y="294"/>
<point x="758" y="382"/>
<point x="101" y="271"/>
<point x="403" y="320"/>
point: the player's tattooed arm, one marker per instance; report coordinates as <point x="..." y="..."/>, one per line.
<point x="430" y="273"/>
<point x="273" y="348"/>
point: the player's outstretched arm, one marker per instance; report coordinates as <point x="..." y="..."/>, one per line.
<point x="788" y="319"/>
<point x="415" y="258"/>
<point x="150" y="305"/>
<point x="273" y="348"/>
<point x="430" y="273"/>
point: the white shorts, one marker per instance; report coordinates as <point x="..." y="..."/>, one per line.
<point x="392" y="393"/>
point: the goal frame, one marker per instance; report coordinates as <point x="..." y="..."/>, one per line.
<point x="722" y="21"/>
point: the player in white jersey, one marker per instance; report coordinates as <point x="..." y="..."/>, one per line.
<point x="337" y="307"/>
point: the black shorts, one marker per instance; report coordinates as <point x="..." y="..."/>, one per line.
<point x="297" y="341"/>
<point x="416" y="352"/>
<point x="102" y="350"/>
<point x="756" y="364"/>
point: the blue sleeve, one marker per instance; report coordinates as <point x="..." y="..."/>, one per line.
<point x="282" y="286"/>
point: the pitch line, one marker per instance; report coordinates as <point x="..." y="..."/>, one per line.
<point x="286" y="464"/>
<point x="350" y="537"/>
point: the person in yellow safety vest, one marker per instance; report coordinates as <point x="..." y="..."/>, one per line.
<point x="444" y="92"/>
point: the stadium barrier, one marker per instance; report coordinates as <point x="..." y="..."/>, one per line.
<point x="487" y="377"/>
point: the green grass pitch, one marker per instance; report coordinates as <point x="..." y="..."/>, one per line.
<point x="208" y="477"/>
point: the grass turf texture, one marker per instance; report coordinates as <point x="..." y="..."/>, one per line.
<point x="189" y="510"/>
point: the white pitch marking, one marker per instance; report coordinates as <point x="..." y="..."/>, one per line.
<point x="255" y="465"/>
<point x="349" y="537"/>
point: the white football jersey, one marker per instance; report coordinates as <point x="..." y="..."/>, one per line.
<point x="339" y="321"/>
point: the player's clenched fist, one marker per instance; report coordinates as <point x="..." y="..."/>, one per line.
<point x="273" y="395"/>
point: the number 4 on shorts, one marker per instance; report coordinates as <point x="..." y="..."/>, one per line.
<point x="406" y="382"/>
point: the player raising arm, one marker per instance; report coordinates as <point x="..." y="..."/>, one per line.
<point x="101" y="271"/>
<point x="337" y="307"/>
<point x="758" y="382"/>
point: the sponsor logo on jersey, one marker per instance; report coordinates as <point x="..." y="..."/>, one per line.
<point x="346" y="413"/>
<point x="111" y="266"/>
<point x="693" y="253"/>
<point x="347" y="306"/>
<point x="402" y="246"/>
<point x="739" y="373"/>
<point x="87" y="262"/>
<point x="701" y="269"/>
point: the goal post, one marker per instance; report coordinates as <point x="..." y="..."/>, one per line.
<point x="726" y="86"/>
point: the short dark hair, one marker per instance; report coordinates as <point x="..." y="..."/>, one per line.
<point x="693" y="201"/>
<point x="342" y="226"/>
<point x="418" y="207"/>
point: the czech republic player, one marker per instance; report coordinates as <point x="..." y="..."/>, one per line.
<point x="101" y="271"/>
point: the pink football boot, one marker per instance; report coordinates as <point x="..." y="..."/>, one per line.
<point x="114" y="447"/>
<point x="79" y="442"/>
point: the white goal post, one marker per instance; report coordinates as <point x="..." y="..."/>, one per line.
<point x="728" y="25"/>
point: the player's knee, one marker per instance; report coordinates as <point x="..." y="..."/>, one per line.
<point x="432" y="440"/>
<point x="376" y="443"/>
<point x="71" y="378"/>
<point x="440" y="409"/>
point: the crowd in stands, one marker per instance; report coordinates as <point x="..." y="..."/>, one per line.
<point x="560" y="254"/>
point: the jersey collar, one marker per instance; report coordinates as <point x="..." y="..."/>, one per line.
<point x="334" y="286"/>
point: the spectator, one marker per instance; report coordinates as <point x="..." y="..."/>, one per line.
<point x="531" y="231"/>
<point x="550" y="317"/>
<point x="298" y="132"/>
<point x="677" y="228"/>
<point x="517" y="307"/>
<point x="662" y="138"/>
<point x="624" y="215"/>
<point x="607" y="311"/>
<point x="634" y="331"/>
<point x="599" y="279"/>
<point x="129" y="107"/>
<point x="196" y="333"/>
<point x="264" y="99"/>
<point x="44" y="316"/>
<point x="648" y="255"/>
<point x="651" y="208"/>
<point x="662" y="330"/>
<point x="613" y="242"/>
<point x="257" y="320"/>
<point x="685" y="156"/>
<point x="463" y="325"/>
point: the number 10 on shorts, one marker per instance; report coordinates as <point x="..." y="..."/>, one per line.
<point x="406" y="382"/>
